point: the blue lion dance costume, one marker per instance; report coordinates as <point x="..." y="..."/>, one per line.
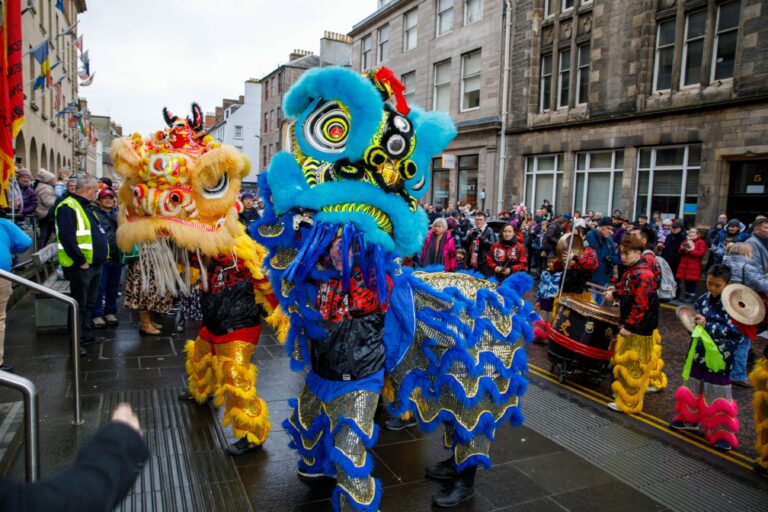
<point x="340" y="209"/>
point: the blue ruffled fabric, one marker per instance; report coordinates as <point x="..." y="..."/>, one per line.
<point x="433" y="382"/>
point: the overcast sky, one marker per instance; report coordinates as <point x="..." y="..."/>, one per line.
<point x="148" y="54"/>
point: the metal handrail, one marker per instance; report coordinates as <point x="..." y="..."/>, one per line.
<point x="74" y="333"/>
<point x="31" y="415"/>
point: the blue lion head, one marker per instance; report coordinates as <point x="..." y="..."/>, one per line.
<point x="356" y="159"/>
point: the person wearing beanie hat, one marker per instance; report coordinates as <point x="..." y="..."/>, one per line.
<point x="672" y="243"/>
<point x="28" y="195"/>
<point x="733" y="232"/>
<point x="249" y="213"/>
<point x="46" y="198"/>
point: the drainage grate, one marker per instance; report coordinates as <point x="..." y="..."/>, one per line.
<point x="187" y="469"/>
<point x="674" y="478"/>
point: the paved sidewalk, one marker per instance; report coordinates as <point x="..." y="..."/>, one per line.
<point x="572" y="454"/>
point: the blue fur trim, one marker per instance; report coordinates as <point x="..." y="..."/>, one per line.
<point x="358" y="95"/>
<point x="329" y="390"/>
<point x="373" y="507"/>
<point x="474" y="460"/>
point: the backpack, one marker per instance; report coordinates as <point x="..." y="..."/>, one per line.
<point x="668" y="288"/>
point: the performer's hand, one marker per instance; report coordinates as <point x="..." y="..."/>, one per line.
<point x="473" y="261"/>
<point x="608" y="294"/>
<point x="624" y="333"/>
<point x="84" y="266"/>
<point x="507" y="271"/>
<point x="699" y="319"/>
<point x="124" y="414"/>
<point x="497" y="270"/>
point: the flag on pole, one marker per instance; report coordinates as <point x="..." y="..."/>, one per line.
<point x="60" y="6"/>
<point x="40" y="53"/>
<point x="69" y="31"/>
<point x="57" y="95"/>
<point x="83" y="75"/>
<point x="79" y="43"/>
<point x="11" y="91"/>
<point x="86" y="60"/>
<point x="88" y="82"/>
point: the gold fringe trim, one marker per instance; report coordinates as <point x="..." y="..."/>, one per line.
<point x="200" y="374"/>
<point x="255" y="428"/>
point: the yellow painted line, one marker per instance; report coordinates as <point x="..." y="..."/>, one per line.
<point x="653" y="421"/>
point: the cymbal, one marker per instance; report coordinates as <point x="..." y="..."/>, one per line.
<point x="687" y="316"/>
<point x="743" y="304"/>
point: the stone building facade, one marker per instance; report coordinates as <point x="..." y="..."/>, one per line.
<point x="447" y="53"/>
<point x="45" y="140"/>
<point x="642" y="106"/>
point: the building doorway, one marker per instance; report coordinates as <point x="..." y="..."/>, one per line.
<point x="748" y="190"/>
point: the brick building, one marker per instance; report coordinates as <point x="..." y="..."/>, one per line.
<point x="447" y="53"/>
<point x="649" y="105"/>
<point x="334" y="51"/>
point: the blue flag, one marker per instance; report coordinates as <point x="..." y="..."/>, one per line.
<point x="60" y="6"/>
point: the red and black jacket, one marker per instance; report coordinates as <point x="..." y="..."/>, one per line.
<point x="638" y="300"/>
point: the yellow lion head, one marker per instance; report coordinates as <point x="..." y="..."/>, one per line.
<point x="181" y="185"/>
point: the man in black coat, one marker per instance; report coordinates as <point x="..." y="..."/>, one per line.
<point x="672" y="244"/>
<point x="102" y="474"/>
<point x="477" y="243"/>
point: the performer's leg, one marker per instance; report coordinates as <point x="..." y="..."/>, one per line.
<point x="308" y="427"/>
<point x="687" y="402"/>
<point x="720" y="416"/>
<point x="200" y="374"/>
<point x="632" y="363"/>
<point x="465" y="457"/>
<point x="236" y="390"/>
<point x="658" y="380"/>
<point x="354" y="432"/>
<point x="759" y="379"/>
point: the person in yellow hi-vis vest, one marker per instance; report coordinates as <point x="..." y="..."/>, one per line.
<point x="82" y="251"/>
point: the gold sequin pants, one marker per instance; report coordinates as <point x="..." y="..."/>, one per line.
<point x="333" y="438"/>
<point x="759" y="379"/>
<point x="633" y="360"/>
<point x="227" y="374"/>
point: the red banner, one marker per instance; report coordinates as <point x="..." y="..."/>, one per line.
<point x="11" y="90"/>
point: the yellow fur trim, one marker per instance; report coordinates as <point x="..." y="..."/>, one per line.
<point x="759" y="379"/>
<point x="280" y="323"/>
<point x="657" y="378"/>
<point x="200" y="376"/>
<point x="388" y="391"/>
<point x="633" y="361"/>
<point x="255" y="428"/>
<point x="227" y="383"/>
<point x="124" y="159"/>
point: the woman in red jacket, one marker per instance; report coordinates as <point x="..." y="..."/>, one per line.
<point x="507" y="256"/>
<point x="691" y="251"/>
<point x="439" y="248"/>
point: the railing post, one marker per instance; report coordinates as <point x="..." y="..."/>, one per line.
<point x="74" y="333"/>
<point x="31" y="418"/>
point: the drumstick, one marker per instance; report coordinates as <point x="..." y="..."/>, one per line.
<point x="596" y="286"/>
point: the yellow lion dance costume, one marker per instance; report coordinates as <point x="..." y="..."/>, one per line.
<point x="179" y="207"/>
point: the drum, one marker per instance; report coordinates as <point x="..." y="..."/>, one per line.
<point x="584" y="332"/>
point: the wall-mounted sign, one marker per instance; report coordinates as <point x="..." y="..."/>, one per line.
<point x="755" y="189"/>
<point x="448" y="161"/>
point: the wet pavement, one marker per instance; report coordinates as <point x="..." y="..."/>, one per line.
<point x="572" y="453"/>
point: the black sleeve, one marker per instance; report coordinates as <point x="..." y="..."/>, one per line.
<point x="66" y="227"/>
<point x="103" y="472"/>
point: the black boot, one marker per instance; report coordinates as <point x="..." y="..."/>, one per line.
<point x="459" y="491"/>
<point x="241" y="447"/>
<point x="443" y="470"/>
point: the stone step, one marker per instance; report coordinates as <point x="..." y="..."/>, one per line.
<point x="11" y="433"/>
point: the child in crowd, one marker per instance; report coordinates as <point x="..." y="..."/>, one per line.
<point x="461" y="259"/>
<point x="704" y="401"/>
